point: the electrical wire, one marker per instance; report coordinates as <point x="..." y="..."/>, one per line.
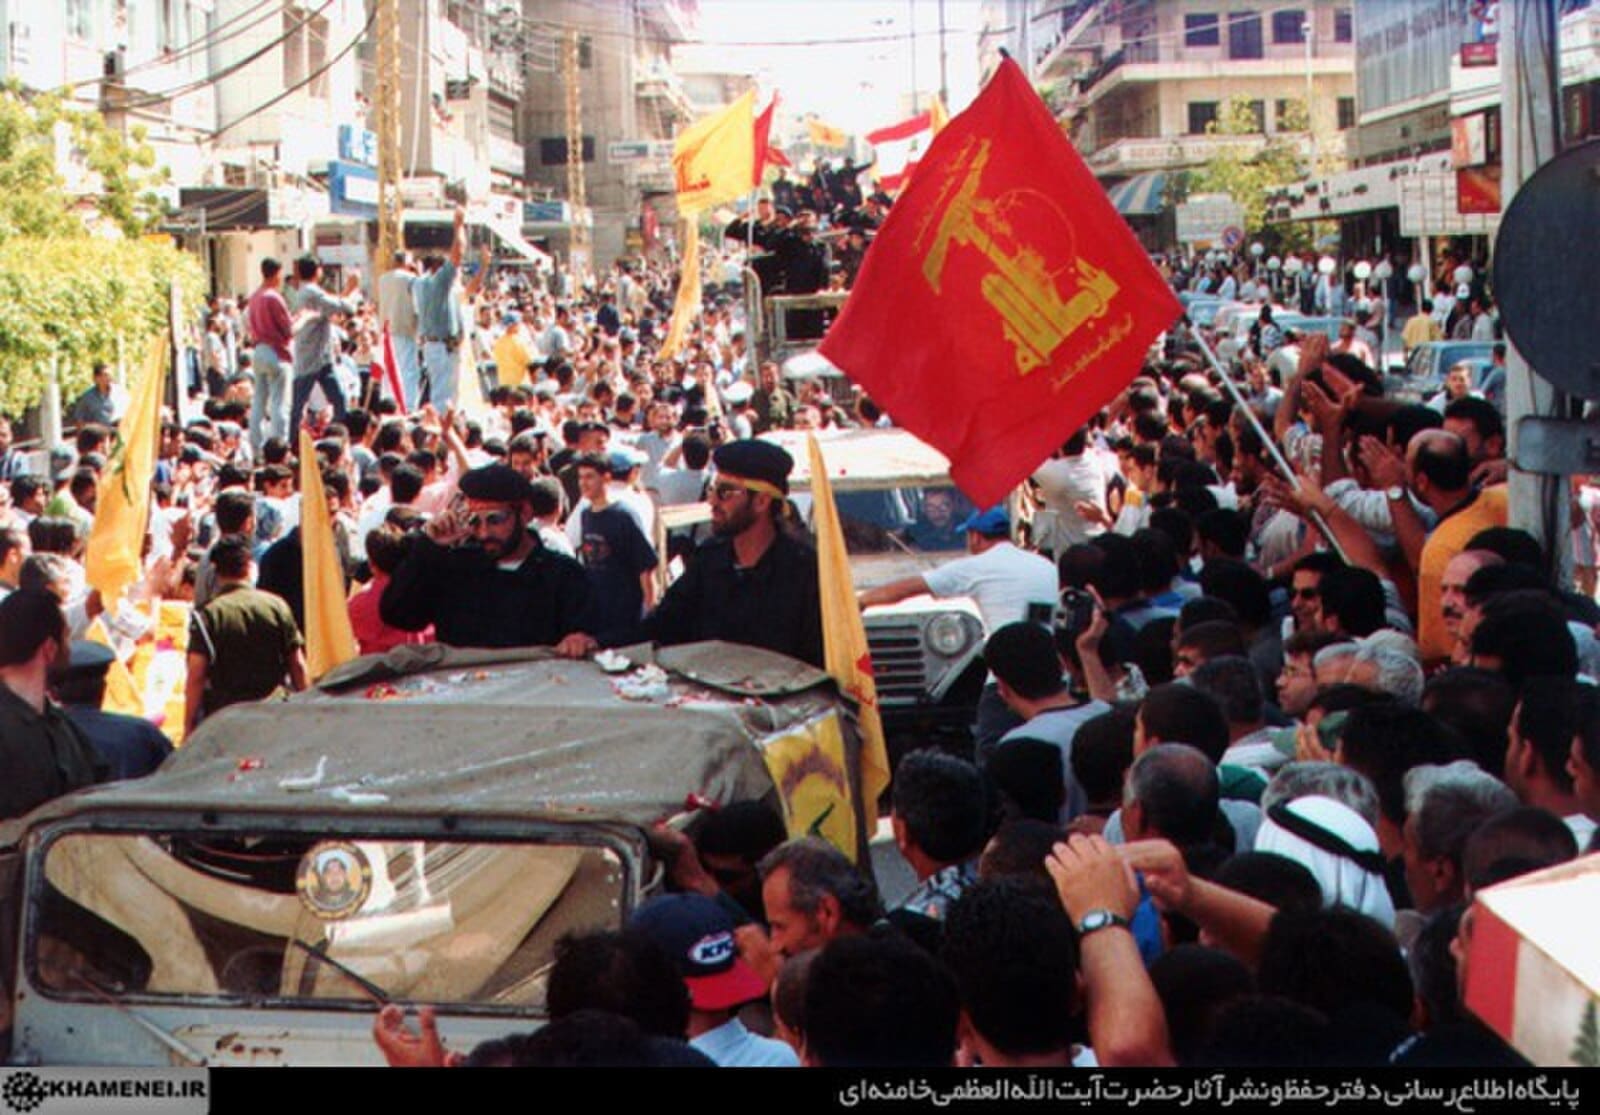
<point x="260" y="13"/>
<point x="307" y="80"/>
<point x="230" y="69"/>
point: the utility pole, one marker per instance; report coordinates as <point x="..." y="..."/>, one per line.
<point x="1530" y="108"/>
<point x="386" y="121"/>
<point x="944" y="82"/>
<point x="576" y="191"/>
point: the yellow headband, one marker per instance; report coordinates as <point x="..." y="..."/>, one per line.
<point x="755" y="485"/>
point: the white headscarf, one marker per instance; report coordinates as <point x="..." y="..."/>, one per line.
<point x="1333" y="842"/>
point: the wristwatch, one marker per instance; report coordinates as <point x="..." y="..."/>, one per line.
<point x="1394" y="492"/>
<point x="1101" y="919"/>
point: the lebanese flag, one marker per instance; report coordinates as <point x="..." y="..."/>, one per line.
<point x="1004" y="301"/>
<point x="899" y="147"/>
<point x="391" y="371"/>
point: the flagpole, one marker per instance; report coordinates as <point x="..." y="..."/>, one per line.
<point x="1272" y="446"/>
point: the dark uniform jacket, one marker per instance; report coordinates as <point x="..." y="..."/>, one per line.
<point x="472" y="602"/>
<point x="774" y="604"/>
<point x="43" y="755"/>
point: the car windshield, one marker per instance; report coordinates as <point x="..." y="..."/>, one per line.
<point x="276" y="918"/>
<point x="897" y="520"/>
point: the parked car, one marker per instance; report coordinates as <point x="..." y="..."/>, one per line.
<point x="1426" y="367"/>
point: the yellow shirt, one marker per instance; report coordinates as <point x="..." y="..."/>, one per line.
<point x="1420" y="330"/>
<point x="511" y="358"/>
<point x="1448" y="539"/>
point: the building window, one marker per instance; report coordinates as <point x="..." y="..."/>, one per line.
<point x="1202" y="114"/>
<point x="1344" y="28"/>
<point x="80" y="20"/>
<point x="585" y="52"/>
<point x="1201" y="29"/>
<point x="1258" y="115"/>
<point x="1244" y="35"/>
<point x="553" y="150"/>
<point x="1289" y="26"/>
<point x="317" y="57"/>
<point x="1347" y="113"/>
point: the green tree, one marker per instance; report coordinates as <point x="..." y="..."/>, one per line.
<point x="1247" y="176"/>
<point x="1586" y="1049"/>
<point x="34" y="129"/>
<point x="77" y="276"/>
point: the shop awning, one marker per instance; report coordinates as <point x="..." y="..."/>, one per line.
<point x="1141" y="195"/>
<point x="512" y="242"/>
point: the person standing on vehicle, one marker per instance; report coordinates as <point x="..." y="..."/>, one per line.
<point x="483" y="579"/>
<point x="314" y="348"/>
<point x="754" y="582"/>
<point x="439" y="319"/>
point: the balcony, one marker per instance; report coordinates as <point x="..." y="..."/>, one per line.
<point x="1142" y="62"/>
<point x="655" y="81"/>
<point x="507" y="156"/>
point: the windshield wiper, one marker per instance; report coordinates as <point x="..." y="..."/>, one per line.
<point x="354" y="977"/>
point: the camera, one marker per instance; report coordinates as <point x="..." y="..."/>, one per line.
<point x="1075" y="612"/>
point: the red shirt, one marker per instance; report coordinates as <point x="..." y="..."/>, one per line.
<point x="372" y="634"/>
<point x="269" y="321"/>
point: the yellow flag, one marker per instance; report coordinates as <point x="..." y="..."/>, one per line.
<point x="938" y="115"/>
<point x="714" y="159"/>
<point x="122" y="692"/>
<point x="687" y="307"/>
<point x="330" y="640"/>
<point x="844" y="636"/>
<point x="826" y="135"/>
<point x="117" y="540"/>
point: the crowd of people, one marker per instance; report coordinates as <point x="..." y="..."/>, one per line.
<point x="1231" y="789"/>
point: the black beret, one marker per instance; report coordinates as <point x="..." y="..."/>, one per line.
<point x="495" y="484"/>
<point x="753" y="459"/>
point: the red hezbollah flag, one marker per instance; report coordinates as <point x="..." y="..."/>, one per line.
<point x="766" y="154"/>
<point x="1004" y="301"/>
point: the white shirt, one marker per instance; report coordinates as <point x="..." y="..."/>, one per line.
<point x="1002" y="581"/>
<point x="732" y="1046"/>
<point x="1065" y="482"/>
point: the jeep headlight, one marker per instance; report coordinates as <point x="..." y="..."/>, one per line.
<point x="947" y="636"/>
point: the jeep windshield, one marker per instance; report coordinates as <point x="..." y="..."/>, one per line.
<point x="296" y="918"/>
<point x="899" y="520"/>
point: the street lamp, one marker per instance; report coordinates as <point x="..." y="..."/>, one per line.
<point x="1311" y="132"/>
<point x="1382" y="273"/>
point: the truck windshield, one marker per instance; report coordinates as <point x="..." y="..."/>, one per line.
<point x="265" y="919"/>
<point x="894" y="520"/>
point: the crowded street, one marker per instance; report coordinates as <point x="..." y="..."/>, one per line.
<point x="934" y="535"/>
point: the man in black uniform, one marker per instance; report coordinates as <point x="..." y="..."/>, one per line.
<point x="805" y="271"/>
<point x="131" y="746"/>
<point x="763" y="234"/>
<point x="483" y="579"/>
<point x="42" y="753"/>
<point x="754" y="582"/>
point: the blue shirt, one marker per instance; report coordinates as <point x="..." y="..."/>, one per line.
<point x="438" y="315"/>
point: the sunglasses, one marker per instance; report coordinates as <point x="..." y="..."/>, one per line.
<point x="475" y="519"/>
<point x="727" y="491"/>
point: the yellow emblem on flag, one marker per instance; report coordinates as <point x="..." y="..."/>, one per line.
<point x="330" y="638"/>
<point x="1022" y="286"/>
<point x="846" y="655"/>
<point x="713" y="159"/>
<point x="116" y="542"/>
<point x="808" y="768"/>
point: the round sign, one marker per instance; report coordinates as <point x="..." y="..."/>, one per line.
<point x="1362" y="270"/>
<point x="1326" y="265"/>
<point x="334" y="879"/>
<point x="1232" y="237"/>
<point x="1546" y="287"/>
<point x="1416" y="273"/>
